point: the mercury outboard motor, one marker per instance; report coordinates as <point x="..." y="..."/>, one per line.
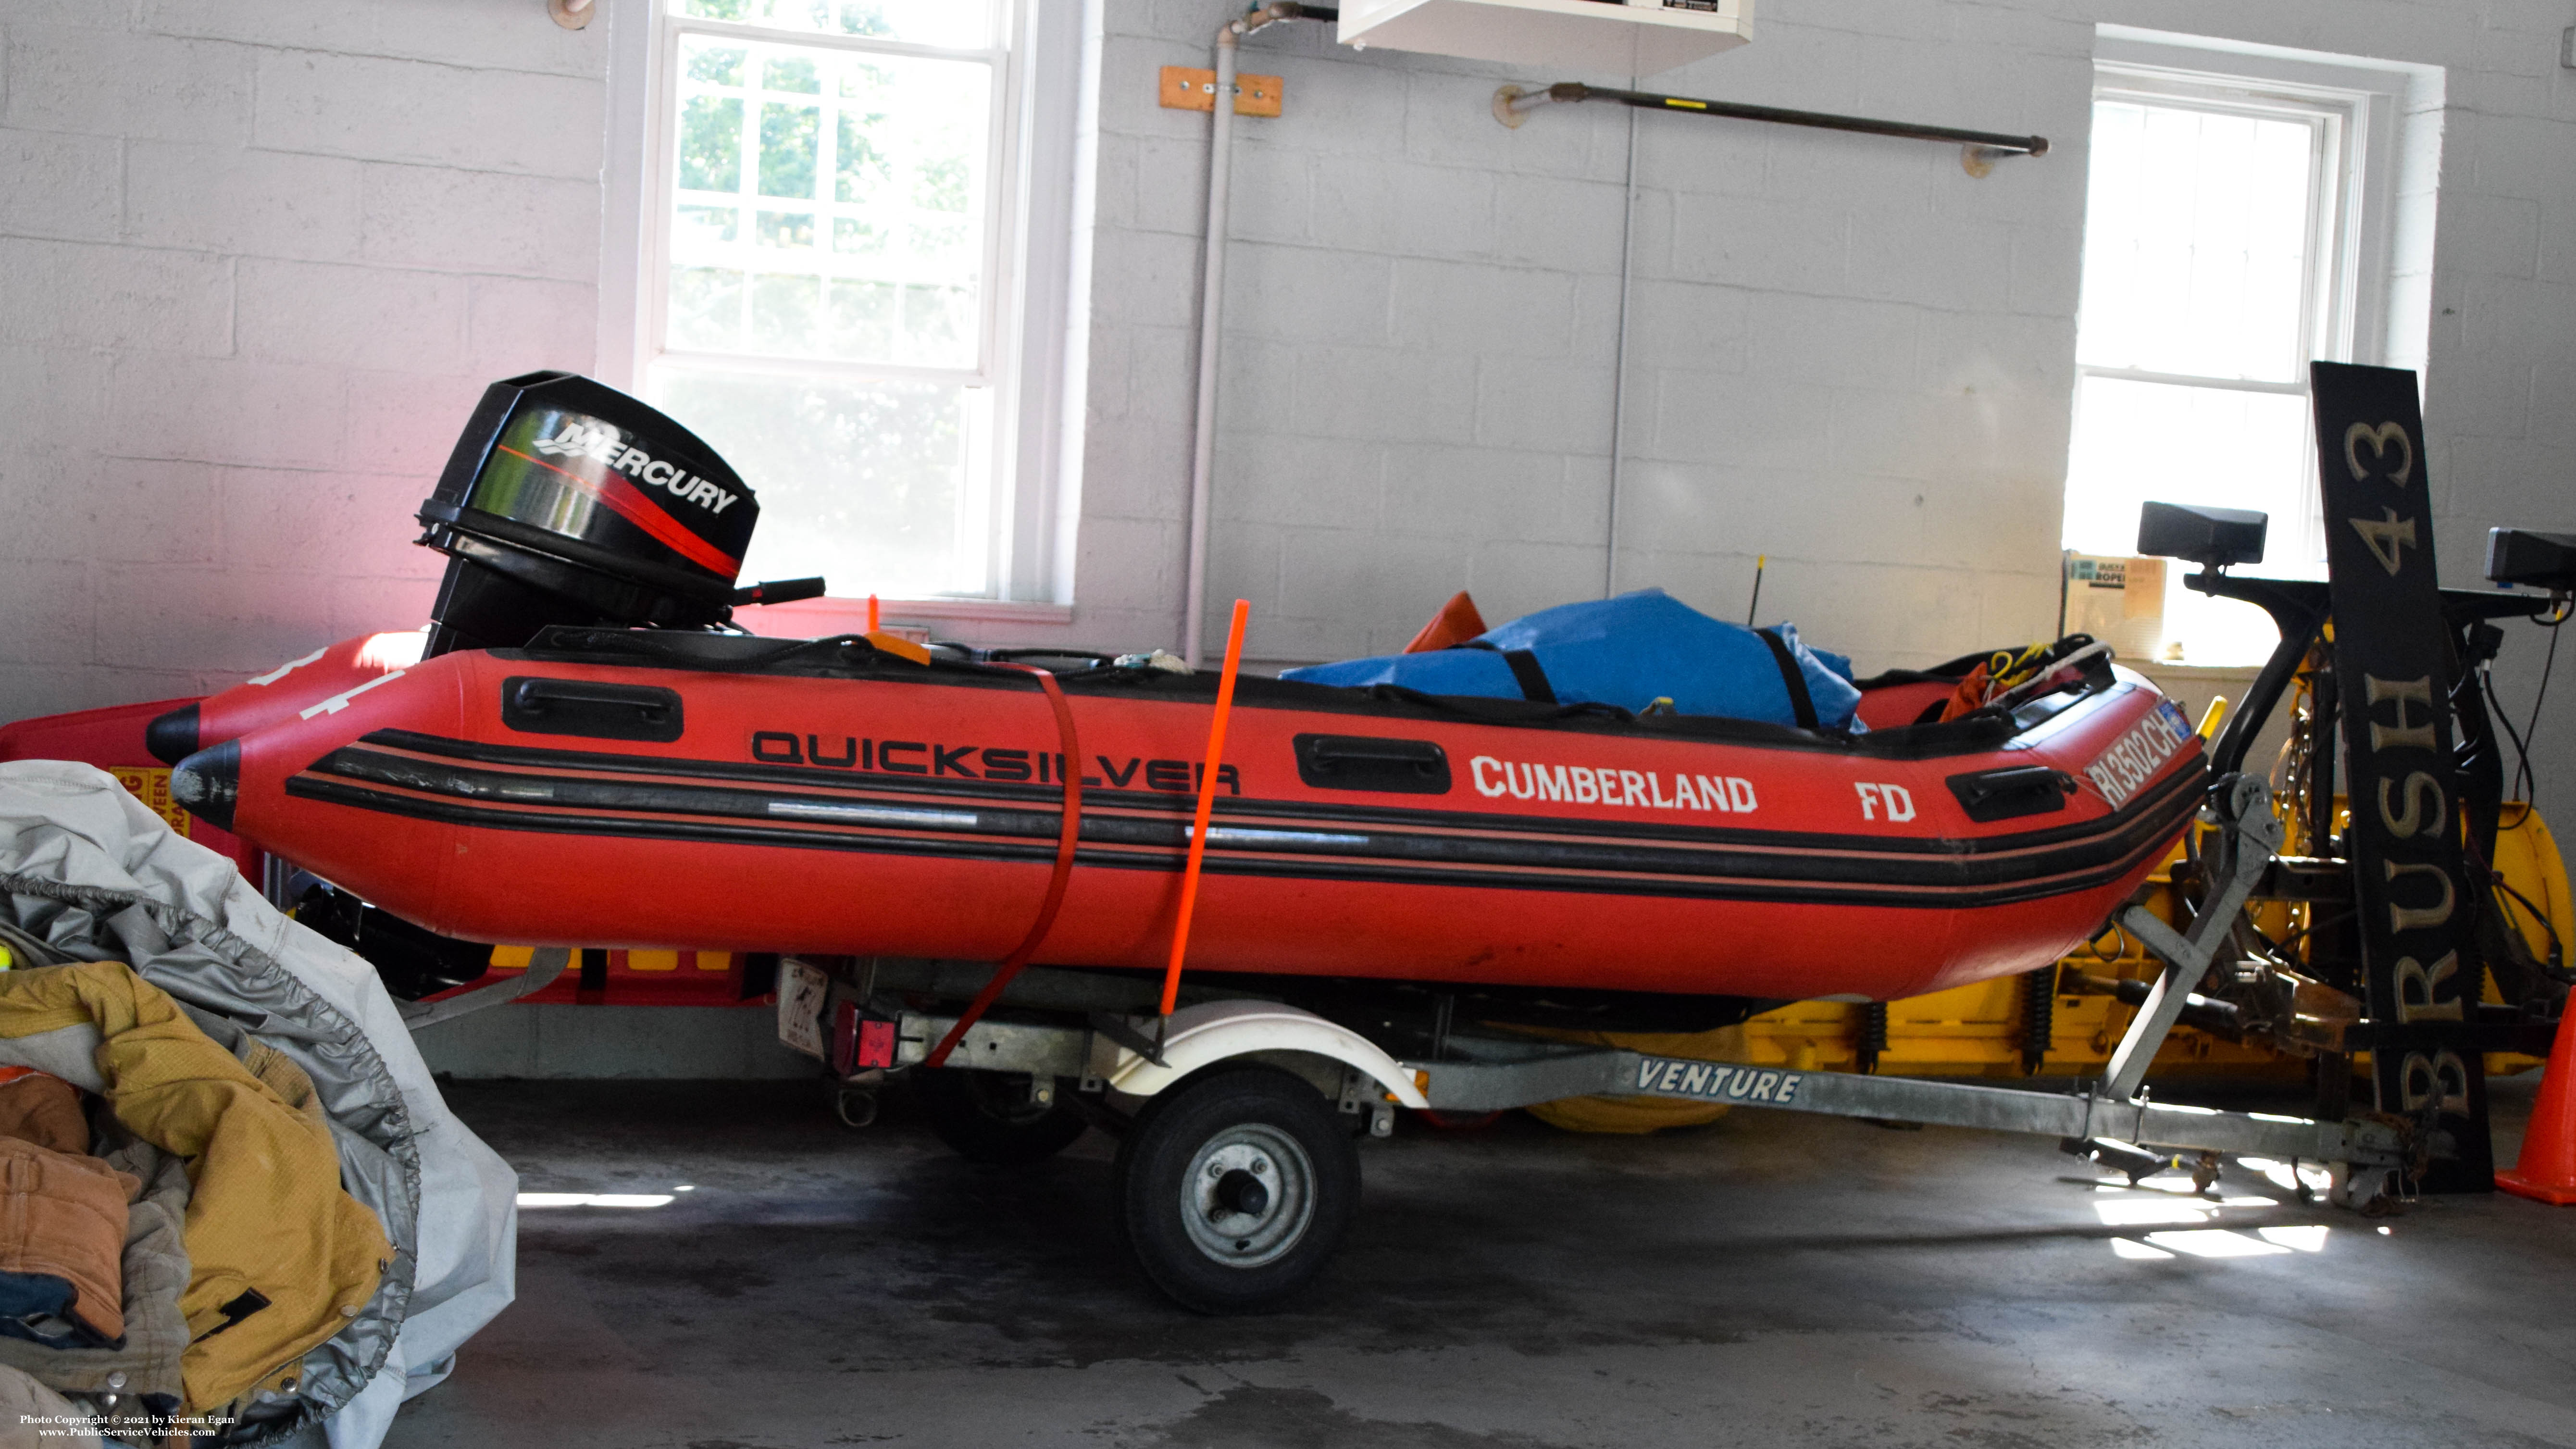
<point x="568" y="502"/>
<point x="565" y="502"/>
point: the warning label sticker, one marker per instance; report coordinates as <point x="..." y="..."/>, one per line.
<point x="151" y="785"/>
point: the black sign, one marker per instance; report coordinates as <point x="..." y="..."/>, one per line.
<point x="2392" y="669"/>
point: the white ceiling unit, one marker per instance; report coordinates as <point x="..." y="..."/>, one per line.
<point x="1597" y="37"/>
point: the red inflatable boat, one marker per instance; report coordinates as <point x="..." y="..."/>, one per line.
<point x="298" y="685"/>
<point x="548" y="772"/>
<point x="664" y="789"/>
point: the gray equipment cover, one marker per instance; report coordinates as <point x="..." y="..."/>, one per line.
<point x="86" y="868"/>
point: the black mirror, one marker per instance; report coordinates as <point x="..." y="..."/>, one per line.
<point x="2541" y="560"/>
<point x="2210" y="537"/>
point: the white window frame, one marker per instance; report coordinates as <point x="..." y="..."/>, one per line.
<point x="2330" y="289"/>
<point x="2387" y="114"/>
<point x="1030" y="351"/>
<point x="2329" y="292"/>
<point x="2372" y="176"/>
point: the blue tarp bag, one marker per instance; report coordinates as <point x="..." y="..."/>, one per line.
<point x="1629" y="651"/>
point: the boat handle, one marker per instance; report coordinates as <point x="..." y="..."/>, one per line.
<point x="1358" y="749"/>
<point x="1372" y="762"/>
<point x="533" y="695"/>
<point x="1989" y="795"/>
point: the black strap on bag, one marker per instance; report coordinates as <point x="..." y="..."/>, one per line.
<point x="1531" y="678"/>
<point x="1525" y="671"/>
<point x="1802" y="704"/>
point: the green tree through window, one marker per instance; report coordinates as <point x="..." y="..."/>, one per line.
<point x="826" y="320"/>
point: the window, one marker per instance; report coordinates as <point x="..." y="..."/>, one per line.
<point x="837" y="290"/>
<point x="2228" y="241"/>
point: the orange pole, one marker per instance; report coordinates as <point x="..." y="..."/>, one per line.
<point x="872" y="613"/>
<point x="1207" y="804"/>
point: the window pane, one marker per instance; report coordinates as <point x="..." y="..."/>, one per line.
<point x="962" y="24"/>
<point x="874" y="486"/>
<point x="710" y="144"/>
<point x="713" y="63"/>
<point x="706" y="307"/>
<point x="787" y="230"/>
<point x="786" y="313"/>
<point x="864" y="313"/>
<point x="2137" y="442"/>
<point x="789" y="137"/>
<point x="882" y="260"/>
<point x="795" y="75"/>
<point x="2196" y="242"/>
<point x="717" y="223"/>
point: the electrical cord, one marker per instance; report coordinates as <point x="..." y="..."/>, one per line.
<point x="2553" y="968"/>
<point x="2281" y="948"/>
<point x="2523" y="779"/>
<point x="2117" y="933"/>
<point x="2520" y="789"/>
<point x="2531" y="727"/>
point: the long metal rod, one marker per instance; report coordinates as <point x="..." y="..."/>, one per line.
<point x="1497" y="1086"/>
<point x="1211" y="325"/>
<point x="1212" y="303"/>
<point x="1571" y="92"/>
<point x="1619" y="371"/>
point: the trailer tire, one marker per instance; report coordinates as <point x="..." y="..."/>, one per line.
<point x="1235" y="1189"/>
<point x="986" y="1117"/>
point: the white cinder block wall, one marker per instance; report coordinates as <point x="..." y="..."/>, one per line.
<point x="1842" y="352"/>
<point x="256" y="260"/>
<point x="1846" y="354"/>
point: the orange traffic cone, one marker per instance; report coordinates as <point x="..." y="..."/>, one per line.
<point x="2547" y="1169"/>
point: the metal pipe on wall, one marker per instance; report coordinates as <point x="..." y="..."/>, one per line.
<point x="1619" y="372"/>
<point x="1229" y="38"/>
<point x="1512" y="104"/>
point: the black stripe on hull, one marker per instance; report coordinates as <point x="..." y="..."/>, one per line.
<point x="2113" y="840"/>
<point x="1398" y="860"/>
<point x="2152" y="801"/>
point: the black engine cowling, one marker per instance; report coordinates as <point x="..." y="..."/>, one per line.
<point x="568" y="502"/>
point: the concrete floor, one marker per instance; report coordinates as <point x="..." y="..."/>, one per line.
<point x="1770" y="1279"/>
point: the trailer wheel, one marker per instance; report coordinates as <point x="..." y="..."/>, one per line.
<point x="1235" y="1190"/>
<point x="987" y="1117"/>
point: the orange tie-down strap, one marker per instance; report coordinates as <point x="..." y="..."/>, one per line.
<point x="1066" y="839"/>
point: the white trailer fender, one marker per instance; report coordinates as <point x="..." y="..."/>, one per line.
<point x="1204" y="1035"/>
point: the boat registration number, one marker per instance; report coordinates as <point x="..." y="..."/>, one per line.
<point x="2135" y="757"/>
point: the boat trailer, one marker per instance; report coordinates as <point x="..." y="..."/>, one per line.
<point x="1161" y="1079"/>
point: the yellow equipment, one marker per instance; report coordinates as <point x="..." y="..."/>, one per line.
<point x="1985" y="1030"/>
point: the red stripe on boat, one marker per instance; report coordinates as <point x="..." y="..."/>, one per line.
<point x="627" y="502"/>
